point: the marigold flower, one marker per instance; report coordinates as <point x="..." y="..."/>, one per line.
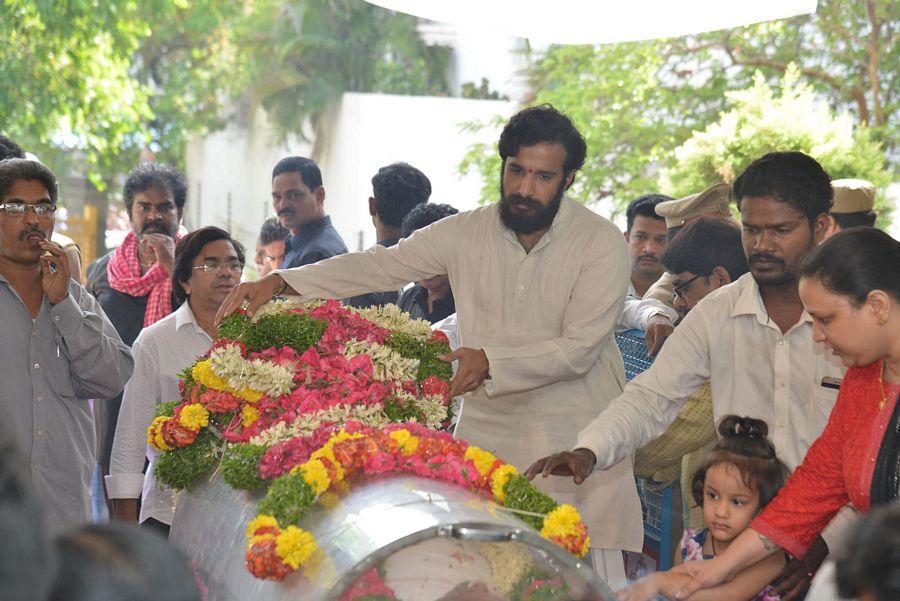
<point x="406" y="442"/>
<point x="154" y="433"/>
<point x="564" y="527"/>
<point x="483" y="460"/>
<point x="315" y="474"/>
<point x="194" y="416"/>
<point x="249" y="415"/>
<point x="561" y="522"/>
<point x="295" y="546"/>
<point x="499" y="479"/>
<point x="257" y="539"/>
<point x="259" y="522"/>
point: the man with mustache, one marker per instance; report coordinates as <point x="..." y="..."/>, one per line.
<point x="539" y="282"/>
<point x="134" y="282"/>
<point x="208" y="264"/>
<point x="646" y="238"/>
<point x="59" y="349"/>
<point x="751" y="339"/>
<point x="298" y="198"/>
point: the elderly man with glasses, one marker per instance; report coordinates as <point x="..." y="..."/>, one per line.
<point x="208" y="264"/>
<point x="59" y="348"/>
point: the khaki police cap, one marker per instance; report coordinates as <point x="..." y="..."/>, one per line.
<point x="715" y="199"/>
<point x="853" y="196"/>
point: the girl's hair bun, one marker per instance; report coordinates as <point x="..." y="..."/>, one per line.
<point x="733" y="426"/>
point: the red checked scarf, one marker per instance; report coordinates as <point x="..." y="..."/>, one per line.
<point x="124" y="270"/>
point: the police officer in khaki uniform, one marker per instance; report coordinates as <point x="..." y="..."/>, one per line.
<point x="715" y="201"/>
<point x="854" y="204"/>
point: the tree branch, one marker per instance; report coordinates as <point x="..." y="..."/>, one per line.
<point x="873" y="52"/>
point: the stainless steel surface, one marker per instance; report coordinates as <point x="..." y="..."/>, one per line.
<point x="372" y="522"/>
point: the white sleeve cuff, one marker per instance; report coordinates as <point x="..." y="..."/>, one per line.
<point x="124" y="486"/>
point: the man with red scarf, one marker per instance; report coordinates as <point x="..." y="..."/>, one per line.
<point x="133" y="283"/>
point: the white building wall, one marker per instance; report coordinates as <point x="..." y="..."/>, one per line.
<point x="229" y="172"/>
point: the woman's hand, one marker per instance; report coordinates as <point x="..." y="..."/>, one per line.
<point x="702" y="574"/>
<point x="645" y="589"/>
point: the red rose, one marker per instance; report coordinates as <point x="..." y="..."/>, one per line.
<point x="439" y="336"/>
<point x="177" y="435"/>
<point x="433" y="385"/>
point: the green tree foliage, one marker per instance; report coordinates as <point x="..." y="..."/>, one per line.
<point x="110" y="78"/>
<point x="65" y="76"/>
<point x="761" y="120"/>
<point x="636" y="102"/>
<point x="299" y="56"/>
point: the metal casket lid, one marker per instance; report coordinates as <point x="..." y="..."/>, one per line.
<point x="425" y="536"/>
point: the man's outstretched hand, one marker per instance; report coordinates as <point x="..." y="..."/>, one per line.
<point x="659" y="328"/>
<point x="578" y="464"/>
<point x="252" y="295"/>
<point x="471" y="371"/>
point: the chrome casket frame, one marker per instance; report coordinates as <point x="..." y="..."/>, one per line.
<point x="375" y="519"/>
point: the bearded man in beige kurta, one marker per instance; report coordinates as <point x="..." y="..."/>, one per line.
<point x="539" y="283"/>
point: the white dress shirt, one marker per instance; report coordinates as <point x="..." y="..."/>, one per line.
<point x="161" y="352"/>
<point x="545" y="320"/>
<point x="754" y="371"/>
<point x="637" y="311"/>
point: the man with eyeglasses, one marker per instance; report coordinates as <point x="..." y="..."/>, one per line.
<point x="702" y="257"/>
<point x="208" y="265"/>
<point x="59" y="348"/>
<point x="134" y="282"/>
<point x="752" y="340"/>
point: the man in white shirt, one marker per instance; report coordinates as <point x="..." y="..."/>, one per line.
<point x="539" y="282"/>
<point x="647" y="239"/>
<point x="752" y="339"/>
<point x="208" y="265"/>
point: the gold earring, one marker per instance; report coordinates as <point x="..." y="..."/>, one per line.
<point x="882" y="321"/>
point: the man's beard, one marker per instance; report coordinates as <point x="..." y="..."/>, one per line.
<point x="528" y="223"/>
<point x="786" y="277"/>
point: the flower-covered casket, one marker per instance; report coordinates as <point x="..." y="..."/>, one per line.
<point x="310" y="450"/>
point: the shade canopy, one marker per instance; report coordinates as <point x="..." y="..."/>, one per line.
<point x="599" y="21"/>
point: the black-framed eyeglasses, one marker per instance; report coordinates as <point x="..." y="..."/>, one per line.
<point x="17" y="209"/>
<point x="682" y="289"/>
<point x="232" y="266"/>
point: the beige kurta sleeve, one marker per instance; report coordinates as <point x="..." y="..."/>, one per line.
<point x="589" y="320"/>
<point x="663" y="290"/>
<point x="652" y="400"/>
<point x="422" y="255"/>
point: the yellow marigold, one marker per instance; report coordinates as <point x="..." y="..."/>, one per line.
<point x="260" y="538"/>
<point x="249" y="415"/>
<point x="315" y="474"/>
<point x="154" y="433"/>
<point x="194" y="416"/>
<point x="248" y="394"/>
<point x="405" y="441"/>
<point x="261" y="521"/>
<point x="294" y="546"/>
<point x="327" y="453"/>
<point x="561" y="522"/>
<point x="482" y="459"/>
<point x="329" y="500"/>
<point x="499" y="479"/>
<point x="202" y="372"/>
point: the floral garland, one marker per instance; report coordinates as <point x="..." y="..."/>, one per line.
<point x="276" y="546"/>
<point x="293" y="368"/>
